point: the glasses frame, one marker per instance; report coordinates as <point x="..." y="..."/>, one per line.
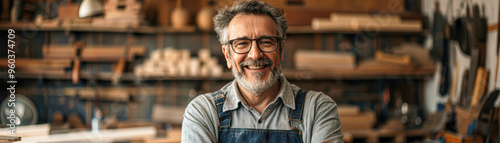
<point x="230" y="42"/>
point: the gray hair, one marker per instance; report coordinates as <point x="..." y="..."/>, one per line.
<point x="226" y="14"/>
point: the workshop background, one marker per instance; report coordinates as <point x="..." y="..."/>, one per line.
<point x="124" y="70"/>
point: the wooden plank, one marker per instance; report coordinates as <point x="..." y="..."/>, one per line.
<point x="38" y="66"/>
<point x="403" y="26"/>
<point x="37" y="63"/>
<point x="111" y="53"/>
<point x="327" y="24"/>
<point x="112" y="94"/>
<point x="364" y="18"/>
<point x="402" y="59"/>
<point x="107" y="135"/>
<point x="27" y="131"/>
<point x="324" y="57"/>
<point x="345" y="110"/>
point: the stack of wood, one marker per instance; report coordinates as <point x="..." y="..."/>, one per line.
<point x="38" y="66"/>
<point x="324" y="60"/>
<point x="111" y="53"/>
<point x="352" y="119"/>
<point x="407" y="56"/>
<point x="366" y="22"/>
<point x="171" y="62"/>
<point x="120" y="13"/>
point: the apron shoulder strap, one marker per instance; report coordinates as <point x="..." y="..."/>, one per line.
<point x="224" y="117"/>
<point x="296" y="115"/>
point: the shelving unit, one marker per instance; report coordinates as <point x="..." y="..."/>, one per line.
<point x="175" y="91"/>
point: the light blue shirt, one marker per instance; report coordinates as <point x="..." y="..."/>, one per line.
<point x="320" y="116"/>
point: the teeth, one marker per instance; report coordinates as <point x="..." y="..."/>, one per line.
<point x="255" y="67"/>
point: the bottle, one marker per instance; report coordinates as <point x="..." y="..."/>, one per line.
<point x="96" y="121"/>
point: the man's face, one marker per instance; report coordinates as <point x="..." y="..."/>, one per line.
<point x="256" y="71"/>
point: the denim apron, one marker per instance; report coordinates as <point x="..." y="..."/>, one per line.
<point x="243" y="135"/>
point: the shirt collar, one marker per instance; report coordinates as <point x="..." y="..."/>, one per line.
<point x="233" y="97"/>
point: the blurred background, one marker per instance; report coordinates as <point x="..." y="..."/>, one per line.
<point x="124" y="70"/>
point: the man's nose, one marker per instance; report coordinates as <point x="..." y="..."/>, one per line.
<point x="255" y="52"/>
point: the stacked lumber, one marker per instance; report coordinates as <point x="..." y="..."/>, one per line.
<point x="171" y="62"/>
<point x="111" y="53"/>
<point x="120" y="13"/>
<point x="39" y="66"/>
<point x="352" y="119"/>
<point x="324" y="60"/>
<point x="366" y="22"/>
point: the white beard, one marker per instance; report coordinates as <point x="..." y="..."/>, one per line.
<point x="259" y="86"/>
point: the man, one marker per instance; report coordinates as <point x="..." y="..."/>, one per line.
<point x="260" y="105"/>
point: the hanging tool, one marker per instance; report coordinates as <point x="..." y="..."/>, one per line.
<point x="75" y="73"/>
<point x="440" y="49"/>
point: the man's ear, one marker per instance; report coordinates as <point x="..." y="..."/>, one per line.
<point x="226" y="55"/>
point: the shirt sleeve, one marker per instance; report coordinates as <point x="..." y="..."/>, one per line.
<point x="326" y="126"/>
<point x="200" y="121"/>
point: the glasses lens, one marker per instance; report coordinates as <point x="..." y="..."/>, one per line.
<point x="242" y="46"/>
<point x="267" y="44"/>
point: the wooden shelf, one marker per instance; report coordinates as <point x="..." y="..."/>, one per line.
<point x="89" y="28"/>
<point x="153" y="30"/>
<point x="290" y="74"/>
<point x="310" y="30"/>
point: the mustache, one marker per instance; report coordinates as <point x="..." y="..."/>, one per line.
<point x="258" y="62"/>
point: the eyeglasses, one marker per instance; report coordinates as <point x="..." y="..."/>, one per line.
<point x="264" y="43"/>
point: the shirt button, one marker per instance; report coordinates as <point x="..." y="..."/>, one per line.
<point x="260" y="121"/>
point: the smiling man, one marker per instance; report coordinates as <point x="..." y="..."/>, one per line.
<point x="260" y="105"/>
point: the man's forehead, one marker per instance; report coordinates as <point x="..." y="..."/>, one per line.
<point x="259" y="24"/>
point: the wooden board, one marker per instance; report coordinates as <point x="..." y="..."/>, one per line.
<point x="317" y="60"/>
<point x="404" y="26"/>
<point x="345" y="110"/>
<point x="402" y="59"/>
<point x="38" y="66"/>
<point x="111" y="53"/>
<point x="28" y="130"/>
<point x="107" y="135"/>
<point x="37" y="63"/>
<point x="364" y="18"/>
